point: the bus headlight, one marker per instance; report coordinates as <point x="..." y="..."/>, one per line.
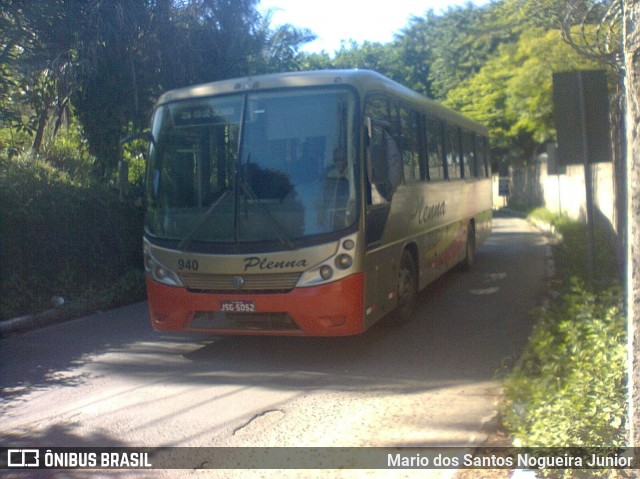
<point x="349" y="244"/>
<point x="326" y="272"/>
<point x="335" y="267"/>
<point x="158" y="272"/>
<point x="343" y="261"/>
<point x="165" y="276"/>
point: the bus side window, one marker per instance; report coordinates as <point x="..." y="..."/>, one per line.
<point x="434" y="149"/>
<point x="377" y="114"/>
<point x="410" y="127"/>
<point x="468" y="155"/>
<point x="384" y="163"/>
<point x="482" y="159"/>
<point x="452" y="139"/>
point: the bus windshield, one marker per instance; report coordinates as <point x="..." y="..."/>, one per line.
<point x="252" y="168"/>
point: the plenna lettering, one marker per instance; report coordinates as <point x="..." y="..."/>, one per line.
<point x="256" y="262"/>
<point x="430" y="212"/>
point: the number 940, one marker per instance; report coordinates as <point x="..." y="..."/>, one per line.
<point x="189" y="264"/>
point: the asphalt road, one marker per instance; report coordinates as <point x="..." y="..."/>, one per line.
<point x="109" y="380"/>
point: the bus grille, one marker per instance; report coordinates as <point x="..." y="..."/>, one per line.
<point x="281" y="282"/>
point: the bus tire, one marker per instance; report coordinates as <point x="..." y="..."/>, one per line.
<point x="470" y="248"/>
<point x="407" y="292"/>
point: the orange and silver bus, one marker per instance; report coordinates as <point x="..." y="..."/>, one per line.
<point x="308" y="203"/>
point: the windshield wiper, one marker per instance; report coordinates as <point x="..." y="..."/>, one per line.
<point x="275" y="226"/>
<point x="203" y="219"/>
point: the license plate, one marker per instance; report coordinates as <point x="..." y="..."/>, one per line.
<point x="237" y="306"/>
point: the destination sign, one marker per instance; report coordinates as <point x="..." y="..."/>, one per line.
<point x="205" y="113"/>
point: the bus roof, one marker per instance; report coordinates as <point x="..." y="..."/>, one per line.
<point x="362" y="80"/>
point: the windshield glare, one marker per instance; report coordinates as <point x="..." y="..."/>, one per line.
<point x="285" y="173"/>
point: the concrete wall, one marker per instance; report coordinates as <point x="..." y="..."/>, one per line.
<point x="564" y="193"/>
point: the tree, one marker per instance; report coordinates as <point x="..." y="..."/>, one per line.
<point x="512" y="92"/>
<point x="111" y="60"/>
<point x="440" y="51"/>
<point x="130" y="51"/>
<point x="36" y="42"/>
<point x="11" y="36"/>
<point x="280" y="47"/>
<point x="369" y="55"/>
<point x="483" y="97"/>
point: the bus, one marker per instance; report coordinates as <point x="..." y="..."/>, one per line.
<point x="306" y="203"/>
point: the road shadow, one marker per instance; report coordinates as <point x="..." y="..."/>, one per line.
<point x="54" y="356"/>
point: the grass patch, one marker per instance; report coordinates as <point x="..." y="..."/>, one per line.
<point x="569" y="386"/>
<point x="572" y="253"/>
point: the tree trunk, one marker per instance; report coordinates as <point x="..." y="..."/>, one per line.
<point x="42" y="123"/>
<point x="631" y="38"/>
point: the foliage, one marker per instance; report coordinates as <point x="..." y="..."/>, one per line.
<point x="569" y="386"/>
<point x="483" y="97"/>
<point x="111" y="59"/>
<point x="62" y="237"/>
<point x="512" y="92"/>
<point x="459" y="42"/>
<point x="280" y="47"/>
<point x="68" y="152"/>
<point x="573" y="250"/>
<point x="371" y="56"/>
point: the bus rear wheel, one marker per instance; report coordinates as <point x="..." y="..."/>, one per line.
<point x="407" y="289"/>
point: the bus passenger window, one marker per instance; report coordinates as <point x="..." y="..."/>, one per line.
<point x="468" y="155"/>
<point x="452" y="138"/>
<point x="435" y="149"/>
<point x="481" y="159"/>
<point x="377" y="108"/>
<point x="384" y="165"/>
<point x="410" y="144"/>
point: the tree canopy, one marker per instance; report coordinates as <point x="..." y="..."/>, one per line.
<point x="107" y="61"/>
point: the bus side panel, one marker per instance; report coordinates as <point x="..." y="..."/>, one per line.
<point x="381" y="282"/>
<point x="483" y="226"/>
<point x="435" y="218"/>
<point x="334" y="309"/>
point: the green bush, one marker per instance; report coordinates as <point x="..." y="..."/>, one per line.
<point x="569" y="386"/>
<point x="69" y="153"/>
<point x="572" y="257"/>
<point x="61" y="236"/>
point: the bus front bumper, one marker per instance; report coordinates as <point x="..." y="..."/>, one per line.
<point x="333" y="309"/>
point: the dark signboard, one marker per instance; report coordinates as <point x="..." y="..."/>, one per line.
<point x="581" y="111"/>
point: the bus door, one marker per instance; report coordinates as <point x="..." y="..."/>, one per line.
<point x="384" y="174"/>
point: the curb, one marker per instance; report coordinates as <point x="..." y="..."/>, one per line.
<point x="547" y="228"/>
<point x="29" y="322"/>
<point x="507" y="212"/>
